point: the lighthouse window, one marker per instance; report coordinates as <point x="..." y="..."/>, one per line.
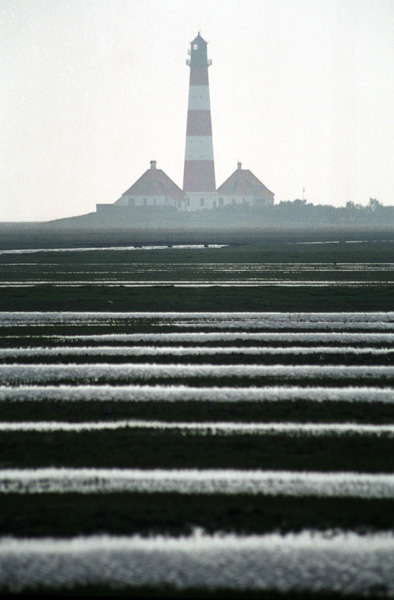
<point x="195" y="46"/>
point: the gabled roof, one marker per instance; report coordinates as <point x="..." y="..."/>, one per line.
<point x="154" y="182"/>
<point x="243" y="183"/>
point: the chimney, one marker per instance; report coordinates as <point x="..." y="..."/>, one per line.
<point x="239" y="166"/>
<point x="153" y="164"/>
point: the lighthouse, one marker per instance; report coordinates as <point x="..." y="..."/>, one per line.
<point x="199" y="172"/>
<point x="154" y="193"/>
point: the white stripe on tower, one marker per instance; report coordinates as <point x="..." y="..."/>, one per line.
<point x="199" y="173"/>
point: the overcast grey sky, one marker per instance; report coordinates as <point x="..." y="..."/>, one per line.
<point x="302" y="92"/>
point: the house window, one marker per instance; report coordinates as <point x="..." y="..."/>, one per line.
<point x="214" y="204"/>
<point x="202" y="202"/>
<point x="188" y="202"/>
<point x="221" y="201"/>
<point x="131" y="201"/>
<point x="145" y="201"/>
<point x="232" y="200"/>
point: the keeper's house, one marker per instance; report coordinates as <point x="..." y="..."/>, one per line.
<point x="242" y="187"/>
<point x="153" y="188"/>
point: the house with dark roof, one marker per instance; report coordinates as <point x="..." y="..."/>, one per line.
<point x="153" y="188"/>
<point x="243" y="187"/>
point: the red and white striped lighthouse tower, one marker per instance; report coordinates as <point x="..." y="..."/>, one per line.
<point x="199" y="172"/>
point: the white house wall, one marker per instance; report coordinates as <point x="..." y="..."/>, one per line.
<point x="148" y="201"/>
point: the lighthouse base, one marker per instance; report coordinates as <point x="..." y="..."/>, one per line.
<point x="200" y="201"/>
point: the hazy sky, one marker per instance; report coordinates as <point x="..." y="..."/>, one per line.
<point x="302" y="92"/>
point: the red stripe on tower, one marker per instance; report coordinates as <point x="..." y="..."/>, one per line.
<point x="199" y="172"/>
